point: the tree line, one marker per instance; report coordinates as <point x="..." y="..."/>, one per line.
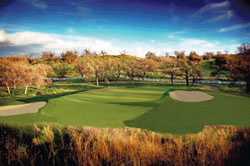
<point x="28" y="71"/>
<point x="106" y="67"/>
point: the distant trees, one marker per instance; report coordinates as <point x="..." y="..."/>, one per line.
<point x="221" y="60"/>
<point x="82" y="66"/>
<point x="239" y="65"/>
<point x="194" y="57"/>
<point x="208" y="55"/>
<point x="47" y="56"/>
<point x="62" y="69"/>
<point x="150" y="55"/>
<point x="170" y="67"/>
<point x="22" y="74"/>
<point x="7" y="73"/>
<point x="69" y="57"/>
<point x="29" y="71"/>
<point x="244" y="48"/>
<point x="103" y="53"/>
<point x="189" y="68"/>
<point x="109" y="67"/>
<point x="147" y="65"/>
<point x="118" y="68"/>
<point x="179" y="55"/>
<point x="97" y="68"/>
<point x="130" y="67"/>
<point x="86" y="53"/>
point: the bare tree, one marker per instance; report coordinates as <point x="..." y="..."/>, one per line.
<point x="244" y="48"/>
<point x="170" y="67"/>
<point x="48" y="56"/>
<point x="97" y="68"/>
<point x="103" y="52"/>
<point x="189" y="69"/>
<point x="82" y="66"/>
<point x="146" y="65"/>
<point x="69" y="57"/>
<point x="179" y="55"/>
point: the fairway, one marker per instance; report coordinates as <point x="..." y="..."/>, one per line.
<point x="141" y="107"/>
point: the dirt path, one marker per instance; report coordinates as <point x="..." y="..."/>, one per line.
<point x="21" y="109"/>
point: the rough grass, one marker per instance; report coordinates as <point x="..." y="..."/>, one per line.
<point x="234" y="89"/>
<point x="141" y="107"/>
<point x="46" y="145"/>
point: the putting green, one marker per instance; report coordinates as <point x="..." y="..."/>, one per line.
<point x="143" y="107"/>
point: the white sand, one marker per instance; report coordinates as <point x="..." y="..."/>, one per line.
<point x="21" y="109"/>
<point x="190" y="96"/>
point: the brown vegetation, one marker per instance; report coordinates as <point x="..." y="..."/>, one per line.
<point x="239" y="66"/>
<point x="90" y="146"/>
<point x="15" y="73"/>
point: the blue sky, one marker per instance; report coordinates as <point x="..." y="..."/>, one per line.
<point x="136" y="26"/>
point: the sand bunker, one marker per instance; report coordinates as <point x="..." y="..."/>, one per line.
<point x="190" y="96"/>
<point x="21" y="109"/>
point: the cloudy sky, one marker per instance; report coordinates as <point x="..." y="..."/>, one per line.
<point x="136" y="26"/>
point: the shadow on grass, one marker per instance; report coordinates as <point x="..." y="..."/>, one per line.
<point x="164" y="119"/>
<point x="48" y="97"/>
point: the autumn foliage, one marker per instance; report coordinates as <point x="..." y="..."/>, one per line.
<point x="16" y="71"/>
<point x="31" y="71"/>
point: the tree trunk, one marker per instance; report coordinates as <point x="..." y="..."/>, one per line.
<point x="144" y="75"/>
<point x="8" y="88"/>
<point x="119" y="75"/>
<point x="172" y="80"/>
<point x="26" y="88"/>
<point x="14" y="85"/>
<point x="97" y="81"/>
<point x="248" y="86"/>
<point x="187" y="80"/>
<point x="132" y="75"/>
<point x="82" y="76"/>
<point x="193" y="81"/>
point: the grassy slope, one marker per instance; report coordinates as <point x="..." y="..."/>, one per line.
<point x="143" y="107"/>
<point x="207" y="68"/>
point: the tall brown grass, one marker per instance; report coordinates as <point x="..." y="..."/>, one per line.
<point x="46" y="145"/>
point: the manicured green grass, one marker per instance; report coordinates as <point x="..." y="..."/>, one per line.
<point x="141" y="107"/>
<point x="43" y="94"/>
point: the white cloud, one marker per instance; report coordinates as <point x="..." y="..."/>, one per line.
<point x="37" y="3"/>
<point x="223" y="16"/>
<point x="212" y="6"/>
<point x="80" y="6"/>
<point x="54" y="42"/>
<point x="34" y="42"/>
<point x="214" y="12"/>
<point x="235" y="27"/>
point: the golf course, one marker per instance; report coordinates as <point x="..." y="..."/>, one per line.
<point x="146" y="107"/>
